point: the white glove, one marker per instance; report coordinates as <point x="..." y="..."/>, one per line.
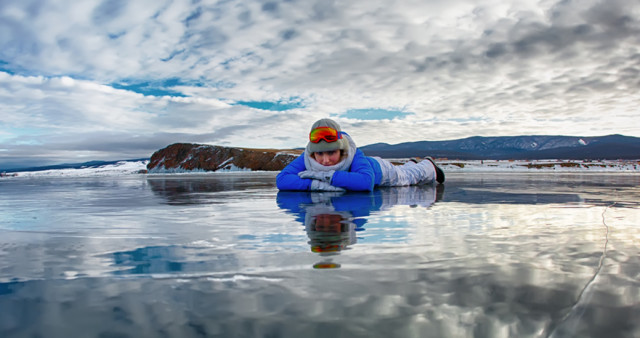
<point x="323" y="186"/>
<point x="324" y="176"/>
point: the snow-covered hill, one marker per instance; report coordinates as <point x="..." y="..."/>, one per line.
<point x="515" y="148"/>
<point x="118" y="168"/>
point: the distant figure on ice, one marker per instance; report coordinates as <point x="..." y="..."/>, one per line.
<point x="332" y="162"/>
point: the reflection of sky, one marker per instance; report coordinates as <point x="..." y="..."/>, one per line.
<point x="512" y="260"/>
<point x="64" y="227"/>
<point x="382" y="229"/>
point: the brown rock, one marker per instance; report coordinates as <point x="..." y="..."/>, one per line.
<point x="189" y="156"/>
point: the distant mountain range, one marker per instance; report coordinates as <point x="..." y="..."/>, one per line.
<point x="515" y="147"/>
<point x="609" y="147"/>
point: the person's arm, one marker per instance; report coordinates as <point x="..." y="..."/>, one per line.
<point x="359" y="178"/>
<point x="288" y="178"/>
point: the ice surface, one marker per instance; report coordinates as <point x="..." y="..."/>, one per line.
<point x="226" y="254"/>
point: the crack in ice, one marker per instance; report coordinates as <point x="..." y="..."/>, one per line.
<point x="574" y="315"/>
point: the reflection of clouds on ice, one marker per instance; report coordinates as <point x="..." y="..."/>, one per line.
<point x="492" y="255"/>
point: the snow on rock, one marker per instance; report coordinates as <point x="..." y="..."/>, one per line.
<point x="232" y="168"/>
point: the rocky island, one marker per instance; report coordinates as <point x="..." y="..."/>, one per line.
<point x="180" y="157"/>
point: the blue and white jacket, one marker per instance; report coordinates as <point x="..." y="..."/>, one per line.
<point x="363" y="174"/>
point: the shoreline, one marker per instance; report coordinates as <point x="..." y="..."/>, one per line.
<point x="529" y="166"/>
<point x="546" y="166"/>
<point x="448" y="165"/>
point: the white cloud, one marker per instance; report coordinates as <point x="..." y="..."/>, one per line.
<point x="462" y="68"/>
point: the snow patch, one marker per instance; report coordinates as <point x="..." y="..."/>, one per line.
<point x="283" y="153"/>
<point x="117" y="169"/>
<point x="232" y="167"/>
<point x="189" y="158"/>
<point x="230" y="159"/>
<point x="558" y="166"/>
<point x="164" y="170"/>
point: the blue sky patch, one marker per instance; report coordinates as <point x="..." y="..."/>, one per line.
<point x="374" y="114"/>
<point x="155" y="88"/>
<point x="4" y="69"/>
<point x="273" y="106"/>
<point x="15" y="133"/>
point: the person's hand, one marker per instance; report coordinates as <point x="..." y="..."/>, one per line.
<point x="323" y="186"/>
<point x="324" y="176"/>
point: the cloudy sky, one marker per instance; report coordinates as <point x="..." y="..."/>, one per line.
<point x="119" y="79"/>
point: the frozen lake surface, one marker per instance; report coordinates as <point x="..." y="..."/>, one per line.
<point x="485" y="255"/>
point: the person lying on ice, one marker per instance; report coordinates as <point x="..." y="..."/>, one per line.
<point x="332" y="162"/>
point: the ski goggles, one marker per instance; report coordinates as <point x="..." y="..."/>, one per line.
<point x="324" y="133"/>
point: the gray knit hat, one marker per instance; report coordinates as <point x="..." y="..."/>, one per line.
<point x="342" y="143"/>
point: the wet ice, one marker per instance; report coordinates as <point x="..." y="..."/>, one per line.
<point x="484" y="255"/>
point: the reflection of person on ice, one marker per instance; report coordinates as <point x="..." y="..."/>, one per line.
<point x="332" y="219"/>
<point x="332" y="162"/>
<point x="330" y="231"/>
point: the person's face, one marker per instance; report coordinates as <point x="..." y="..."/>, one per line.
<point x="327" y="158"/>
<point x="328" y="223"/>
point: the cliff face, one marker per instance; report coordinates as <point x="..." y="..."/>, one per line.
<point x="188" y="156"/>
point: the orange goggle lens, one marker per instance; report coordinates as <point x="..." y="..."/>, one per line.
<point x="324" y="133"/>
